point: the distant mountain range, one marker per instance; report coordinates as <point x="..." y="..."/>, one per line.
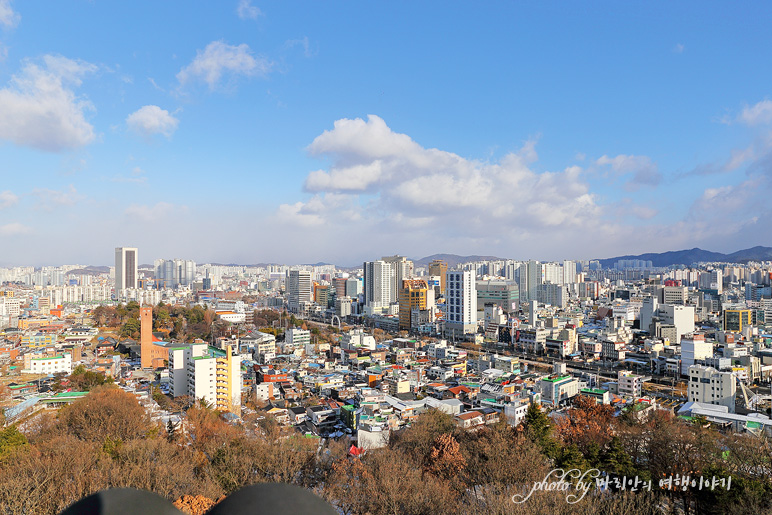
<point x="696" y="255"/>
<point x="89" y="270"/>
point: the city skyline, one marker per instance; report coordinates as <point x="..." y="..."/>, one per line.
<point x="262" y="133"/>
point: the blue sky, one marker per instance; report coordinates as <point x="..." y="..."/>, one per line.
<point x="246" y="131"/>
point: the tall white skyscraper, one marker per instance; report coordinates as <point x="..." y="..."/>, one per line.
<point x="378" y="283"/>
<point x="529" y="278"/>
<point x="461" y="302"/>
<point x="299" y="289"/>
<point x="125" y="268"/>
<point x="402" y="268"/>
<point x="569" y="272"/>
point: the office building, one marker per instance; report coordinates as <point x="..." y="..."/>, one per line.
<point x="439" y="268"/>
<point x="709" y="386"/>
<point x="353" y="287"/>
<point x="558" y="388"/>
<point x="125" y="268"/>
<point x="504" y="294"/>
<point x="413" y="295"/>
<point x="737" y="319"/>
<point x="299" y="290"/>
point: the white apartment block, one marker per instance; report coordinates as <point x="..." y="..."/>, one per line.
<point x="378" y="283"/>
<point x="461" y="302"/>
<point x="91" y="293"/>
<point x="297" y="338"/>
<point x="10" y="307"/>
<point x="709" y="386"/>
<point x="629" y="384"/>
<point x="694" y="348"/>
<point x="207" y="373"/>
<point x="50" y="365"/>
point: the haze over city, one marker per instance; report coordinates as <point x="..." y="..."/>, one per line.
<point x="242" y="133"/>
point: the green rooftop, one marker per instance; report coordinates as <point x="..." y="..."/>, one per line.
<point x="70" y="394"/>
<point x="594" y="391"/>
<point x="556" y="379"/>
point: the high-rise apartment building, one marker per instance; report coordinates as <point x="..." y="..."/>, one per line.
<point x="569" y="272"/>
<point x="461" y="302"/>
<point x="208" y="373"/>
<point x="299" y="289"/>
<point x="379" y="280"/>
<point x="402" y="268"/>
<point x="125" y="268"/>
<point x="712" y="280"/>
<point x="529" y="278"/>
<point x="439" y="268"/>
<point x="171" y="273"/>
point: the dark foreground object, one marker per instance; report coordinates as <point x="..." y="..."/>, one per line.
<point x="265" y="498"/>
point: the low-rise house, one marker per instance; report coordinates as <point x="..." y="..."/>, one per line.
<point x="470" y="419"/>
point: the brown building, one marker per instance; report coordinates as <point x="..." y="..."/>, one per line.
<point x="439" y="267"/>
<point x="412" y="296"/>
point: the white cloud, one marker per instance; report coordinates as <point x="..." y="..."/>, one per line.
<point x="14" y="229"/>
<point x="7" y="199"/>
<point x="384" y="180"/>
<point x="303" y="42"/>
<point x="678" y="49"/>
<point x="8" y="18"/>
<point x="247" y="11"/>
<point x="151" y="119"/>
<point x="48" y="199"/>
<point x="219" y="59"/>
<point x="154" y="213"/>
<point x="756" y="114"/>
<point x="644" y="171"/>
<point x="39" y="108"/>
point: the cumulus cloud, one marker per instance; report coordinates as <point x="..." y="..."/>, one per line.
<point x="757" y="114"/>
<point x="48" y="199"/>
<point x="640" y="170"/>
<point x="247" y="11"/>
<point x="383" y="179"/>
<point x="154" y="213"/>
<point x="220" y="59"/>
<point x="14" y="229"/>
<point x="7" y="199"/>
<point x="150" y="120"/>
<point x="39" y="108"/>
<point x="8" y="18"/>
